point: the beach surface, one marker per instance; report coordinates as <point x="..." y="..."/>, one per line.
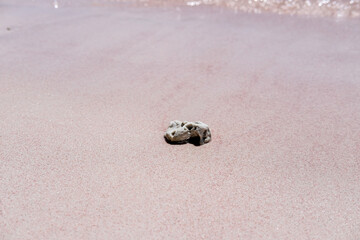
<point x="87" y="92"/>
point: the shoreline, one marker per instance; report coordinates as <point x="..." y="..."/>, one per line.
<point x="327" y="8"/>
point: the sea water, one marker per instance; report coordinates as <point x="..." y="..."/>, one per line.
<point x="333" y="8"/>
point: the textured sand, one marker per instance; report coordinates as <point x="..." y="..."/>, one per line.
<point x="86" y="95"/>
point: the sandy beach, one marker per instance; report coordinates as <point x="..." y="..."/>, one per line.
<point x="87" y="92"/>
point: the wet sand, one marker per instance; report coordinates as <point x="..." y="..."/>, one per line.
<point x="87" y="93"/>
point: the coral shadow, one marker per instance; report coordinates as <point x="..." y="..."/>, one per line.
<point x="194" y="141"/>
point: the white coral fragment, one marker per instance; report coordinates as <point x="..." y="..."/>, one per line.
<point x="179" y="132"/>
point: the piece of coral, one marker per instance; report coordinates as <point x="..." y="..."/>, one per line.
<point x="181" y="132"/>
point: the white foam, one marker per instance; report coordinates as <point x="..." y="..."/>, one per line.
<point x="321" y="8"/>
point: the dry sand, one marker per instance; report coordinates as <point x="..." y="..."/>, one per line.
<point x="86" y="95"/>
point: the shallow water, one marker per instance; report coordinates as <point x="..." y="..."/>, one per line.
<point x="320" y="8"/>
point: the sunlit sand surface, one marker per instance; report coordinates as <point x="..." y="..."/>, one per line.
<point x="87" y="93"/>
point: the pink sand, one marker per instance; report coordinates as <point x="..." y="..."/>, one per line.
<point x="87" y="93"/>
